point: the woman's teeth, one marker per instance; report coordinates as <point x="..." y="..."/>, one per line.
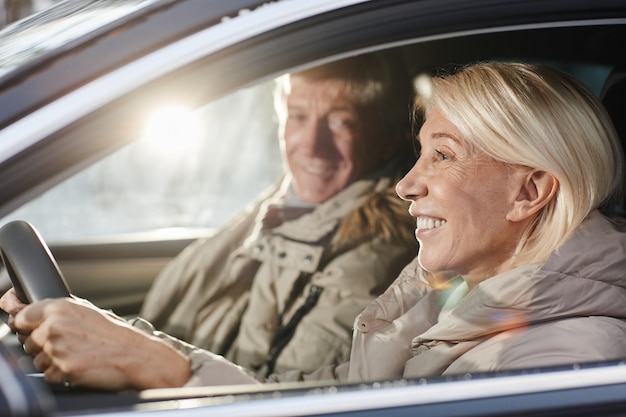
<point x="426" y="223"/>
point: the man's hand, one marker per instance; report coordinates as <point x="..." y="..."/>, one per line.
<point x="11" y="304"/>
<point x="76" y="343"/>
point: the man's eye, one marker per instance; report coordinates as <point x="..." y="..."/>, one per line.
<point x="296" y="117"/>
<point x="338" y="123"/>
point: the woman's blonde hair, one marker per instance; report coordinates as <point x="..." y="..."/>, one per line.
<point x="540" y="118"/>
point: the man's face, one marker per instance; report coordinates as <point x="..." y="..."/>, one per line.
<point x="328" y="141"/>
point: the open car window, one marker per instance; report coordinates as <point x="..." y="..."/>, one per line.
<point x="191" y="169"/>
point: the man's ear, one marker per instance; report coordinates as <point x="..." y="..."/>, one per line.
<point x="536" y="189"/>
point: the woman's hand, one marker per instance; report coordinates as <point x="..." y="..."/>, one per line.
<point x="74" y="342"/>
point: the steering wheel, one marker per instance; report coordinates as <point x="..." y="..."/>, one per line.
<point x="31" y="267"/>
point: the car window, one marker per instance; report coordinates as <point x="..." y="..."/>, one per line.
<point x="191" y="169"/>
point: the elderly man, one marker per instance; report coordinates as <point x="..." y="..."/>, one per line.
<point x="279" y="287"/>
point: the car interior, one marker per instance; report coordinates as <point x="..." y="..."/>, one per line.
<point x="589" y="53"/>
<point x="115" y="274"/>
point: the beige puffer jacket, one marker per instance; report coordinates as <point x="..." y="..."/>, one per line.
<point x="570" y="309"/>
<point x="225" y="293"/>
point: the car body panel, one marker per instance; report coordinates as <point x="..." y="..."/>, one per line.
<point x="567" y="391"/>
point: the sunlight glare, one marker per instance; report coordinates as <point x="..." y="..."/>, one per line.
<point x="172" y="128"/>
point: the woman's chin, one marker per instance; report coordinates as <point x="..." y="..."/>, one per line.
<point x="431" y="265"/>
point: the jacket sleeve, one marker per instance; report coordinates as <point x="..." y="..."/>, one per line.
<point x="209" y="369"/>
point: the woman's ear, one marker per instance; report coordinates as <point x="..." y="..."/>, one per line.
<point x="536" y="189"/>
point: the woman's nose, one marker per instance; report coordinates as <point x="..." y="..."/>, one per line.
<point x="411" y="187"/>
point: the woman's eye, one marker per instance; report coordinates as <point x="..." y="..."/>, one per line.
<point x="441" y="155"/>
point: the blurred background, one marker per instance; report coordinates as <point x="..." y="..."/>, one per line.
<point x="13" y="10"/>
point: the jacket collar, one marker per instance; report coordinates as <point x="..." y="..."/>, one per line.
<point x="324" y="218"/>
<point x="585" y="276"/>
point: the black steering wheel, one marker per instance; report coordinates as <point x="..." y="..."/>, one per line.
<point x="32" y="268"/>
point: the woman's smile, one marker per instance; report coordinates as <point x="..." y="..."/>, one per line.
<point x="426" y="225"/>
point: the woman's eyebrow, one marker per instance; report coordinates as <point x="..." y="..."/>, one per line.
<point x="444" y="135"/>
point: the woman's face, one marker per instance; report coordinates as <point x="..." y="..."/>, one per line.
<point x="328" y="142"/>
<point x="460" y="199"/>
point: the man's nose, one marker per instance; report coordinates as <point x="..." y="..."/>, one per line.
<point x="318" y="138"/>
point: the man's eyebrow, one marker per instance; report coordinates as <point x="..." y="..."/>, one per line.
<point x="343" y="108"/>
<point x="338" y="108"/>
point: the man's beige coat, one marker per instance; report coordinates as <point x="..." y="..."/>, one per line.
<point x="225" y="293"/>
